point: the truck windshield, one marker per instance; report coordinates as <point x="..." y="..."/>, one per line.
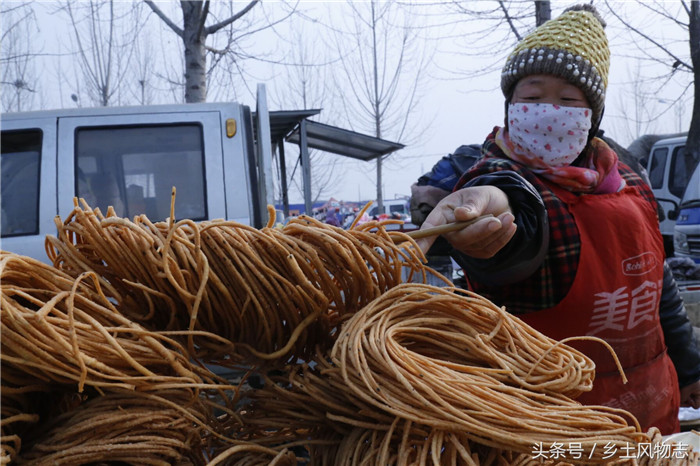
<point x="19" y="188"/>
<point x="657" y="167"/>
<point x="692" y="192"/>
<point x="133" y="169"/>
<point x="682" y="167"/>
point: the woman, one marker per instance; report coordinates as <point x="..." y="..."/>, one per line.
<point x="574" y="247"/>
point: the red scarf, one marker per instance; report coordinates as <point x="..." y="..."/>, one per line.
<point x="597" y="175"/>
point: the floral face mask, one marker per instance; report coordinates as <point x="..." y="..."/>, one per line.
<point x="548" y="135"/>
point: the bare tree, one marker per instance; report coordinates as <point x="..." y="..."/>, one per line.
<point x="382" y="74"/>
<point x="169" y="69"/>
<point x="638" y="107"/>
<point x="680" y="58"/>
<point x="304" y="86"/>
<point x="195" y="33"/>
<point x="19" y="78"/>
<point x="485" y="32"/>
<point x="102" y="38"/>
<point x="694" y="35"/>
<point x="143" y="66"/>
<point x="543" y="12"/>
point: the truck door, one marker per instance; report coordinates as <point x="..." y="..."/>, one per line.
<point x="670" y="168"/>
<point x="131" y="162"/>
<point x="659" y="162"/>
<point x="28" y="185"/>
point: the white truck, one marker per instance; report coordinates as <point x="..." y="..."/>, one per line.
<point x="670" y="168"/>
<point x="218" y="156"/>
<point x="687" y="245"/>
<point x="130" y="158"/>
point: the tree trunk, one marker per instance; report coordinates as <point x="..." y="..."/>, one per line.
<point x="380" y="196"/>
<point x="377" y="112"/>
<point x="693" y="144"/>
<point x="543" y="12"/>
<point x="194" y="39"/>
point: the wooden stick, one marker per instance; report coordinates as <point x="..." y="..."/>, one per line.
<point x="446" y="228"/>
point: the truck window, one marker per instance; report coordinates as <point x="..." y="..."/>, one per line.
<point x="657" y="166"/>
<point x="682" y="167"/>
<point x="19" y="165"/>
<point x="397" y="208"/>
<point x="133" y="169"/>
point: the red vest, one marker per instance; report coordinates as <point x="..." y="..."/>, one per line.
<point x="615" y="296"/>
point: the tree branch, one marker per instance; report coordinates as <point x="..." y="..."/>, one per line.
<point x="678" y="62"/>
<point x="203" y="19"/>
<point x="510" y="21"/>
<point x="165" y="19"/>
<point x="223" y="51"/>
<point x="215" y="27"/>
<point x="18" y="84"/>
<point x="665" y="14"/>
<point x="685" y="5"/>
<point x="7" y="30"/>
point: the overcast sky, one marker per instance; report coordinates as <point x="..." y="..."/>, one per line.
<point x="454" y="110"/>
<point x="467" y="109"/>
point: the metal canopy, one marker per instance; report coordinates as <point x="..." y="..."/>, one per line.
<point x="282" y="122"/>
<point x="294" y="126"/>
<point x="343" y="142"/>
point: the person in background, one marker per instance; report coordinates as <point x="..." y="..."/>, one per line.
<point x="84" y="190"/>
<point x="574" y="247"/>
<point x="431" y="187"/>
<point x="333" y="216"/>
<point x="135" y="200"/>
<point x="106" y="191"/>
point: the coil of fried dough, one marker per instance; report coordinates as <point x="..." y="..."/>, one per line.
<point x="409" y="330"/>
<point x="22" y="409"/>
<point x="409" y="444"/>
<point x="274" y="292"/>
<point x="424" y="354"/>
<point x="461" y="330"/>
<point x="398" y="442"/>
<point x="670" y="454"/>
<point x="124" y="426"/>
<point x="57" y="328"/>
<point x="251" y="454"/>
<point x="309" y="407"/>
<point x="442" y="361"/>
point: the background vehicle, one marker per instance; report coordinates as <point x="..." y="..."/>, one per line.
<point x="131" y="158"/>
<point x="687" y="229"/>
<point x="391" y="206"/>
<point x="669" y="167"/>
<point x="686" y="261"/>
<point x="218" y="156"/>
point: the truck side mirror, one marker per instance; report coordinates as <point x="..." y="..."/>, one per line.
<point x="672" y="213"/>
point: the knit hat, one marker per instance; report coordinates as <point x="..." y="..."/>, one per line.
<point x="572" y="46"/>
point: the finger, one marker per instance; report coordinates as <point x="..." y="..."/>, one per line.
<point x="425" y="243"/>
<point x="497" y="241"/>
<point x="691" y="403"/>
<point x="695" y="400"/>
<point x="437" y="217"/>
<point x="466" y="212"/>
<point x="476" y="233"/>
<point x="486" y="237"/>
<point x="493" y="244"/>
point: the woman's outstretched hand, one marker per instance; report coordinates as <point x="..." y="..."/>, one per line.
<point x="482" y="239"/>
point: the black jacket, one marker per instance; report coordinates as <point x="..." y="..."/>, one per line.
<point x="683" y="347"/>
